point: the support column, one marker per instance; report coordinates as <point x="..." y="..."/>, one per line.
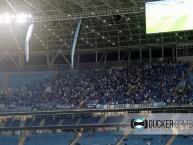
<point x="48" y="58"/>
<point x="105" y="59"/>
<point x="140" y="53"/>
<point x="96" y="56"/>
<point x="173" y="54"/>
<point x="129" y="58"/>
<point x="20" y="59"/>
<point x="78" y="60"/>
<point x="150" y="56"/>
<point x="162" y="51"/>
<point x="162" y="47"/>
<point x="119" y="54"/>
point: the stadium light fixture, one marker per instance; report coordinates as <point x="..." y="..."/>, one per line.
<point x="7" y="18"/>
<point x="14" y="18"/>
<point x="21" y="18"/>
<point x="104" y="21"/>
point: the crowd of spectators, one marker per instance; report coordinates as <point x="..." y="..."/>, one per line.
<point x="140" y="83"/>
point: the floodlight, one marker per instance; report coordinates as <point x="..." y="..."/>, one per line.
<point x="21" y="18"/>
<point x="7" y="18"/>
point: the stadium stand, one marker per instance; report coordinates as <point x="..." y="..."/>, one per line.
<point x="71" y="121"/>
<point x="9" y="139"/>
<point x="144" y="83"/>
<point x="51" y="121"/>
<point x="99" y="138"/>
<point x="90" y="120"/>
<point x="31" y="122"/>
<point x="9" y="122"/>
<point x="17" y="80"/>
<point x="50" y="139"/>
<point x="113" y="119"/>
<point x="183" y="140"/>
<point x="144" y="139"/>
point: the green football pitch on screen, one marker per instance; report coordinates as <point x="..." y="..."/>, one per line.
<point x="169" y="15"/>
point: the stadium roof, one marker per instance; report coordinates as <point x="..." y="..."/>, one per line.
<point x="107" y="25"/>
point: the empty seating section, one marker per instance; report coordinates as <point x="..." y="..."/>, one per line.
<point x="113" y="119"/>
<point x="9" y="140"/>
<point x="99" y="139"/>
<point x="31" y="122"/>
<point x="17" y="80"/>
<point x="71" y="121"/>
<point x="50" y="139"/>
<point x="90" y="120"/>
<point x="16" y="123"/>
<point x="144" y="139"/>
<point x="51" y="121"/>
<point x="9" y="122"/>
<point x="182" y="140"/>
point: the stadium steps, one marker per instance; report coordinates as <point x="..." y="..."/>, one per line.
<point x="2" y="124"/>
<point x="190" y="70"/>
<point x="101" y="121"/>
<point x="76" y="139"/>
<point x="85" y="92"/>
<point x="42" y="122"/>
<point x="121" y="140"/>
<point x="178" y="85"/>
<point x="125" y="119"/>
<point x="130" y="90"/>
<point x="21" y="141"/>
<point x="22" y="124"/>
<point x="77" y="122"/>
<point x="176" y="89"/>
<point x="170" y="140"/>
<point x="61" y="122"/>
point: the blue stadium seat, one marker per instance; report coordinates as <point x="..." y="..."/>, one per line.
<point x="9" y="139"/>
<point x="50" y="139"/>
<point x="100" y="138"/>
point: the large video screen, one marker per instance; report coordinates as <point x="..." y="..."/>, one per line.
<point x="169" y="15"/>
